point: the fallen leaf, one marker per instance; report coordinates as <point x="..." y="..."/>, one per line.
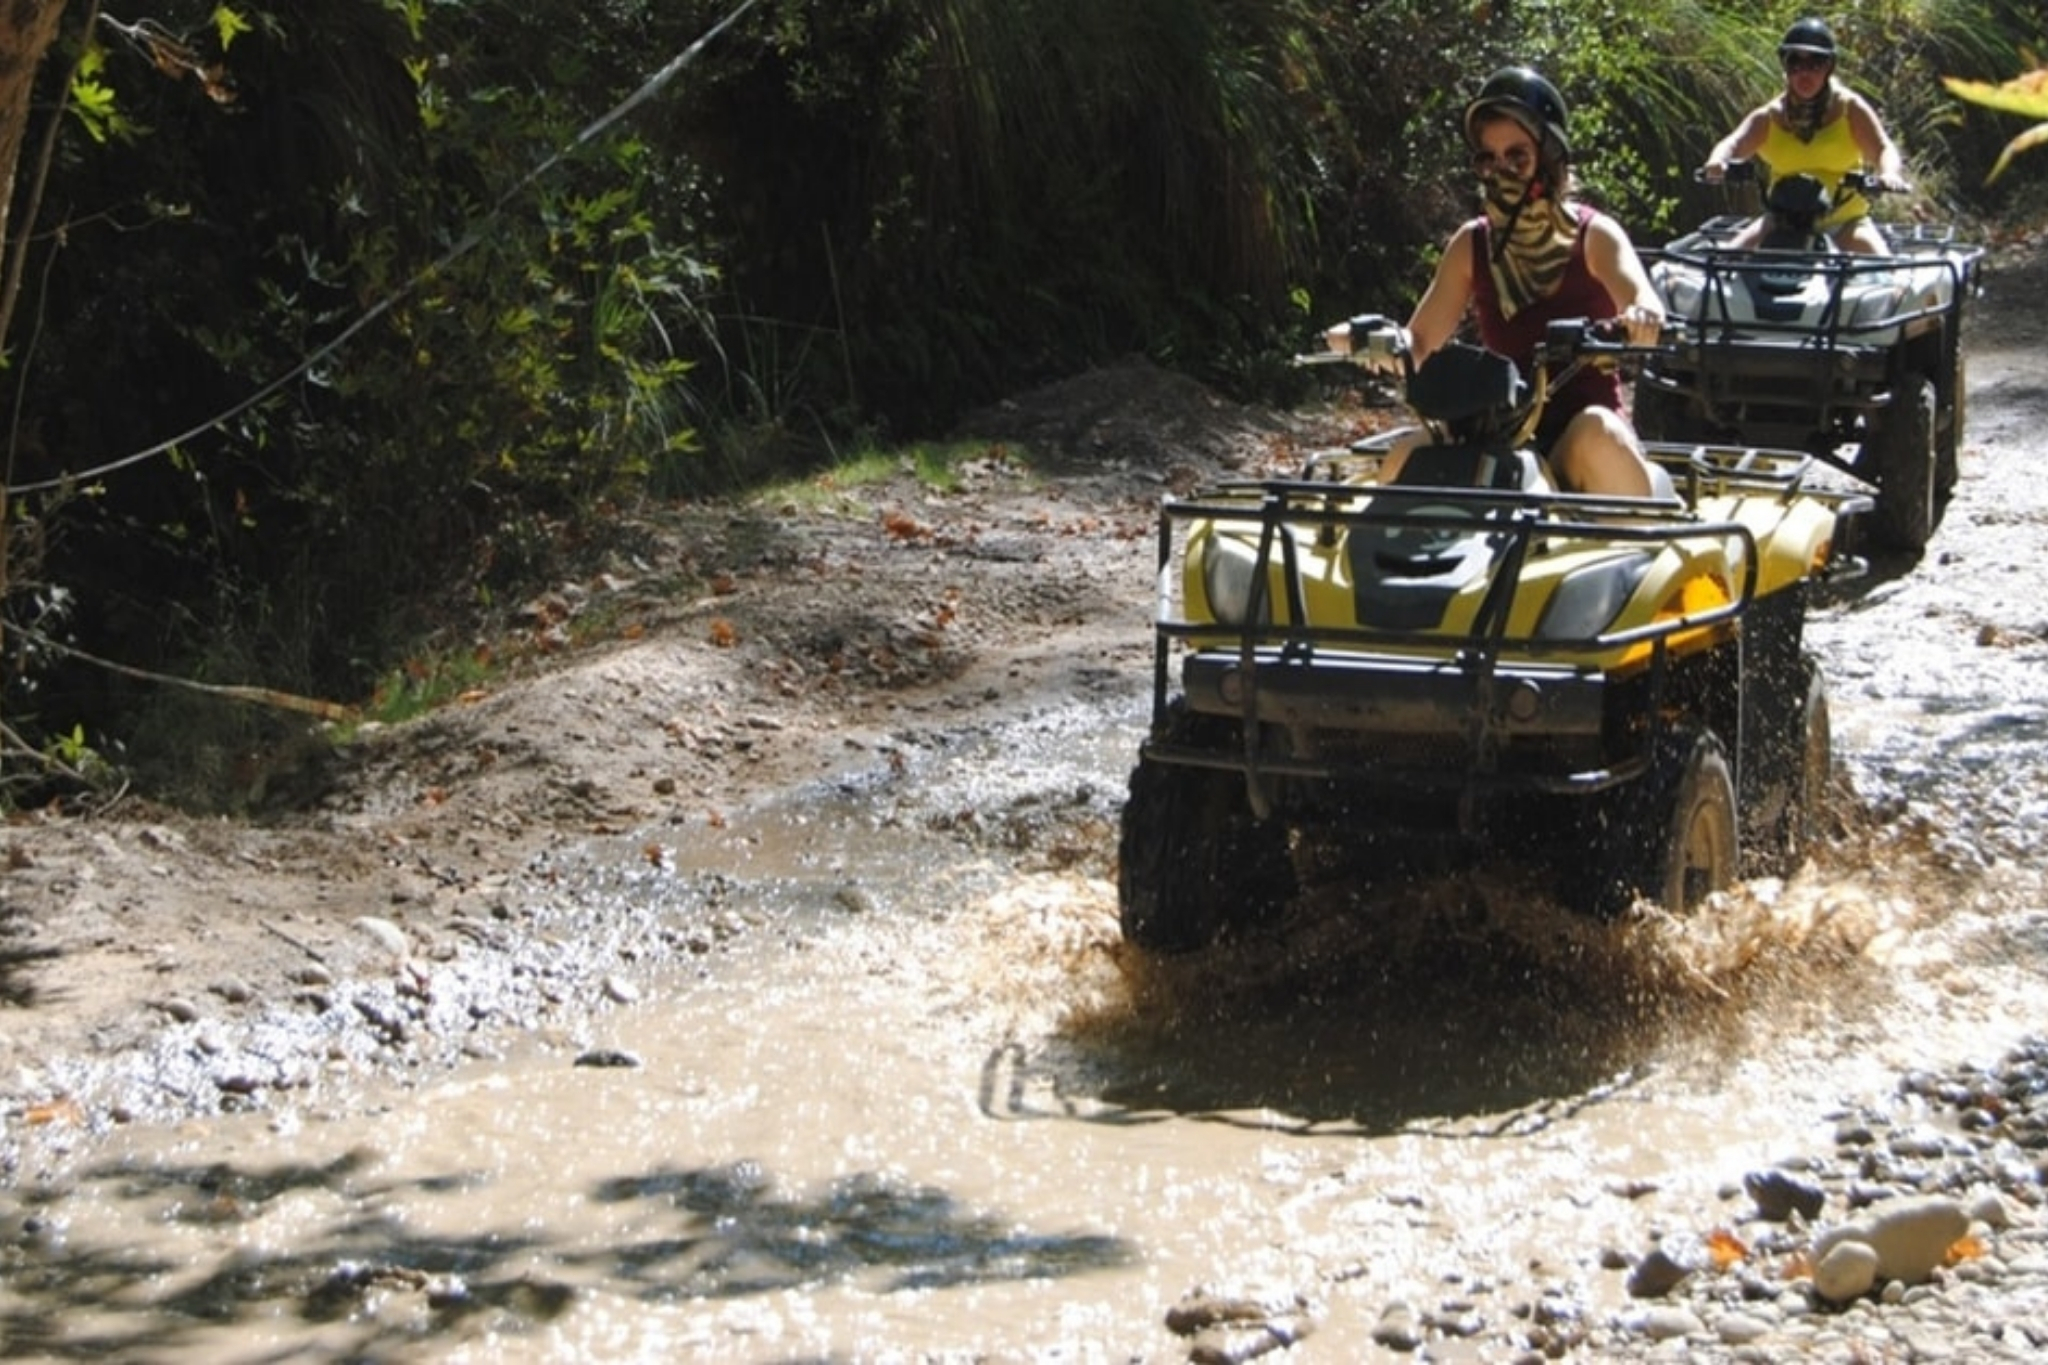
<point x="902" y="527"/>
<point x="723" y="634"/>
<point x="64" y="1110"/>
<point x="1726" y="1248"/>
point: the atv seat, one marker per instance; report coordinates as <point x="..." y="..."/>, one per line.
<point x="1797" y="204"/>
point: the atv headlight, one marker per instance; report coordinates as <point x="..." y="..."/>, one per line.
<point x="1230" y="571"/>
<point x="1681" y="293"/>
<point x="1877" y="307"/>
<point x="1588" y="599"/>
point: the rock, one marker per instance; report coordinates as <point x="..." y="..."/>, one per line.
<point x="1230" y="1328"/>
<point x="1910" y="1236"/>
<point x="1990" y="1209"/>
<point x="387" y="935"/>
<point x="1665" y="1322"/>
<point x="1780" y="1194"/>
<point x="1740" y="1329"/>
<point x="1846" y="1271"/>
<point x="1397" y="1329"/>
<point x="233" y="990"/>
<point x="1658" y="1273"/>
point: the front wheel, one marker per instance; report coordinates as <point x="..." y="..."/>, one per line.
<point x="1901" y="453"/>
<point x="1193" y="861"/>
<point x="1670" y="836"/>
<point x="1949" y="444"/>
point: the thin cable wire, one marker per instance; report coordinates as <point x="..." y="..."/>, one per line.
<point x="469" y="241"/>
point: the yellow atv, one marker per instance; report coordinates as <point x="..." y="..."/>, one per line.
<point x="1467" y="663"/>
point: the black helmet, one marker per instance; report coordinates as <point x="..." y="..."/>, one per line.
<point x="1808" y="35"/>
<point x="1529" y="100"/>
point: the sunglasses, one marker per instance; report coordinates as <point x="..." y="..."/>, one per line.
<point x="1807" y="61"/>
<point x="1517" y="161"/>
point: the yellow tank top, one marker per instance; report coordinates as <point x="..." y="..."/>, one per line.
<point x="1831" y="154"/>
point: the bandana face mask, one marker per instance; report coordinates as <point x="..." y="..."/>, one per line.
<point x="1507" y="191"/>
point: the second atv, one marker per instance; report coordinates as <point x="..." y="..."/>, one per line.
<point x="1855" y="359"/>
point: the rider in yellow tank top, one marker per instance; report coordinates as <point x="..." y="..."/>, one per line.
<point x="1831" y="152"/>
<point x="1819" y="127"/>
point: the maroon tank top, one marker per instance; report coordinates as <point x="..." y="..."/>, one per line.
<point x="1579" y="294"/>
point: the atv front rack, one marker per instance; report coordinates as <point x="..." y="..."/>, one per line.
<point x="1483" y="708"/>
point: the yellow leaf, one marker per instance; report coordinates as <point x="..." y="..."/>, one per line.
<point x="2026" y="94"/>
<point x="2033" y="137"/>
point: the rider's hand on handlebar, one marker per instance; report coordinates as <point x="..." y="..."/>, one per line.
<point x="1641" y="326"/>
<point x="1714" y="172"/>
<point x="1380" y="348"/>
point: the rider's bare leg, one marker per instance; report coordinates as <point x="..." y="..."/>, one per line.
<point x="1598" y="453"/>
<point x="1862" y="235"/>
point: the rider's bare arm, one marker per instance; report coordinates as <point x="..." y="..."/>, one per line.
<point x="1444" y="304"/>
<point x="1880" y="153"/>
<point x="1613" y="260"/>
<point x="1739" y="145"/>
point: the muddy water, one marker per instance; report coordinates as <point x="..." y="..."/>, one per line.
<point x="924" y="1108"/>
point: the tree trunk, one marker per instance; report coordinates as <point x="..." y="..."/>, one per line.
<point x="27" y="28"/>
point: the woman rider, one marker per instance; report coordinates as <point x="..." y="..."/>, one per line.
<point x="1535" y="256"/>
<point x="1816" y="127"/>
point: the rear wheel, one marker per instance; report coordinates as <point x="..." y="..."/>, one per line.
<point x="1948" y="445"/>
<point x="1670" y="836"/>
<point x="1193" y="861"/>
<point x="1901" y="454"/>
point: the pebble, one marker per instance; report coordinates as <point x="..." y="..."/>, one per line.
<point x="1845" y="1271"/>
<point x="1911" y="1236"/>
<point x="1943" y="1254"/>
<point x="1780" y="1194"/>
<point x="387" y="935"/>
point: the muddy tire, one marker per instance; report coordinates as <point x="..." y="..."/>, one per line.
<point x="1670" y="837"/>
<point x="1193" y="861"/>
<point x="1901" y="453"/>
<point x="1796" y="810"/>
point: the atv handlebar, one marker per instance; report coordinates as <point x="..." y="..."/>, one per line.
<point x="1377" y="344"/>
<point x="1751" y="172"/>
